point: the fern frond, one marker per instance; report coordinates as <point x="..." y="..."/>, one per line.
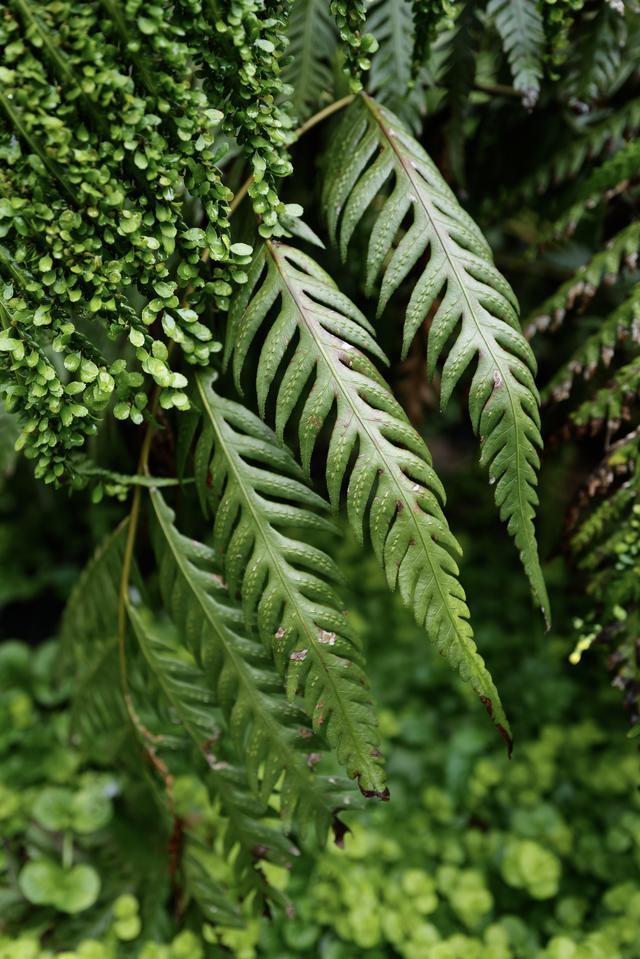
<point x="597" y="55"/>
<point x="455" y="61"/>
<point x="186" y="693"/>
<point x="604" y="182"/>
<point x="213" y="900"/>
<point x="270" y="735"/>
<point x="374" y="159"/>
<point x="259" y="495"/>
<point x="611" y="404"/>
<point x="312" y="47"/>
<point x="604" y="517"/>
<point x="568" y="160"/>
<point x="621" y="252"/>
<point x="390" y="21"/>
<point x="603" y="536"/>
<point x="599" y="348"/>
<point x="392" y="491"/>
<point x="520" y="25"/>
<point x="88" y="635"/>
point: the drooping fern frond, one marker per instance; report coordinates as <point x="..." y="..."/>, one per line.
<point x="455" y="61"/>
<point x="569" y="158"/>
<point x="256" y="491"/>
<point x="374" y="159"/>
<point x="596" y="56"/>
<point x="604" y="516"/>
<point x="312" y="47"/>
<point x="621" y="252"/>
<point x="270" y="735"/>
<point x="187" y="695"/>
<point x="622" y="326"/>
<point x="392" y="492"/>
<point x="608" y="179"/>
<point x="612" y="403"/>
<point x="390" y="21"/>
<point x="606" y="549"/>
<point x="520" y="25"/>
<point x="89" y="640"/>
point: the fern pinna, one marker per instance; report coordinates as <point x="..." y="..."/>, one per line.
<point x="209" y="632"/>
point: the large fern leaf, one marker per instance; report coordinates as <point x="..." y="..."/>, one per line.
<point x="375" y="164"/>
<point x="312" y="46"/>
<point x="186" y="693"/>
<point x="391" y="23"/>
<point x="270" y="735"/>
<point x="88" y="635"/>
<point x="258" y="497"/>
<point x="392" y="490"/>
<point x="519" y="23"/>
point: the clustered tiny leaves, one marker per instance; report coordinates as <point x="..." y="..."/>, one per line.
<point x="130" y="134"/>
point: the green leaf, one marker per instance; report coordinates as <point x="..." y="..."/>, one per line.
<point x="390" y="80"/>
<point x="374" y="159"/>
<point x="392" y="492"/>
<point x="69" y="890"/>
<point x="270" y="735"/>
<point x="85" y="811"/>
<point x="519" y="23"/>
<point x="88" y="636"/>
<point x="186" y="691"/>
<point x="258" y="496"/>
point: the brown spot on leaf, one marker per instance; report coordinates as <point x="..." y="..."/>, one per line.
<point x="488" y="705"/>
<point x="383" y="795"/>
